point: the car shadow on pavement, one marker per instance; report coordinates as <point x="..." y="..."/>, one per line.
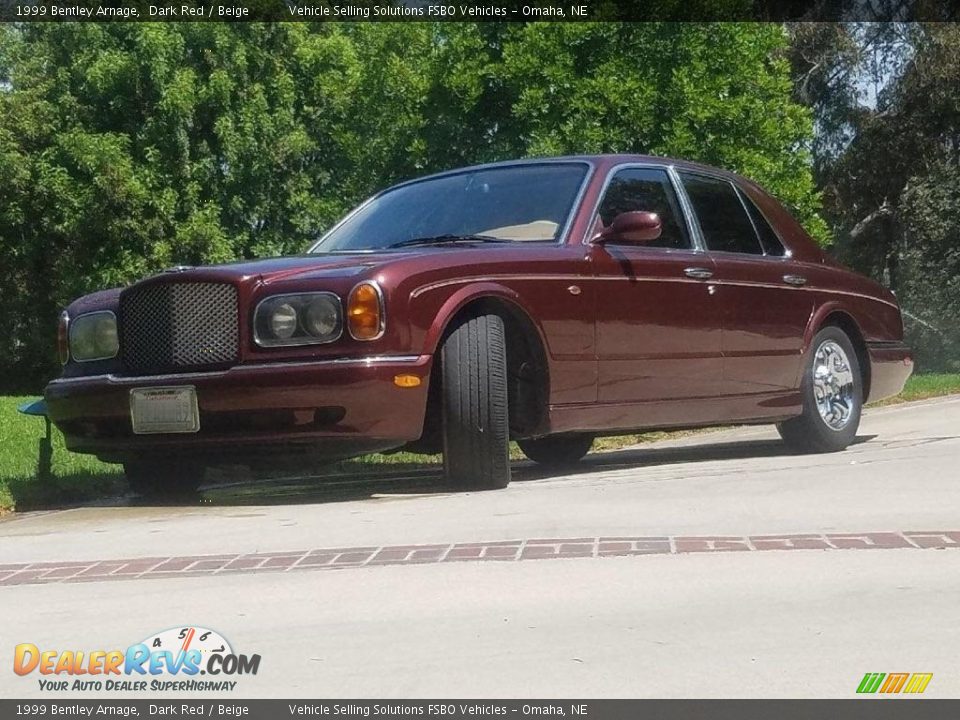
<point x="390" y="484"/>
<point x="641" y="457"/>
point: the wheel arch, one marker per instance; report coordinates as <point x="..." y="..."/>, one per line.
<point x="835" y="315"/>
<point x="528" y="364"/>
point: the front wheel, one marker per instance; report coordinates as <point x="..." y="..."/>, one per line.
<point x="476" y="434"/>
<point x="557" y="450"/>
<point x="159" y="479"/>
<point x="832" y="390"/>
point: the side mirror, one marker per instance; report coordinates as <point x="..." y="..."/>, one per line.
<point x="632" y="227"/>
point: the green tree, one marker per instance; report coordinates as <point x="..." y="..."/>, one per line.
<point x="887" y="102"/>
<point x="126" y="148"/>
<point x="129" y="148"/>
<point x="719" y="93"/>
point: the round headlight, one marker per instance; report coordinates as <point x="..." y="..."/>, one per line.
<point x="283" y="321"/>
<point x="105" y="336"/>
<point x="82" y="343"/>
<point x="93" y="336"/>
<point x="308" y="318"/>
<point x="321" y="317"/>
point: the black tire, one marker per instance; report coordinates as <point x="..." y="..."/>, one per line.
<point x="160" y="479"/>
<point x="476" y="434"/>
<point x="811" y="432"/>
<point x="557" y="450"/>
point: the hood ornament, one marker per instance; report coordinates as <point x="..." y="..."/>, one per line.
<point x="178" y="268"/>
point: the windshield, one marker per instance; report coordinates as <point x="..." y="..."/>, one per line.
<point x="523" y="203"/>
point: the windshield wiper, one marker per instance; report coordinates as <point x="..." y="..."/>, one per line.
<point x="449" y="238"/>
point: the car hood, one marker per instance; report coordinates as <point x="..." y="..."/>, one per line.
<point x="288" y="267"/>
<point x="323" y="266"/>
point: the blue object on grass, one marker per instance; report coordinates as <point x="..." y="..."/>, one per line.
<point x="34" y="407"/>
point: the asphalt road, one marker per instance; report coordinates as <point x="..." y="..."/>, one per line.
<point x="673" y="570"/>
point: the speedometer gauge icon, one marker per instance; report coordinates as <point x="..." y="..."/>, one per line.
<point x="182" y="639"/>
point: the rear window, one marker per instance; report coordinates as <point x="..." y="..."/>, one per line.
<point x="768" y="236"/>
<point x="723" y="220"/>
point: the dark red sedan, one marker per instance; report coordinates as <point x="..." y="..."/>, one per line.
<point x="545" y="301"/>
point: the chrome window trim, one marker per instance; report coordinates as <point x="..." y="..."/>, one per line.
<point x="71" y="324"/>
<point x="788" y="253"/>
<point x="383" y="311"/>
<point x="695" y="243"/>
<point x="744" y="199"/>
<point x="296" y="342"/>
<point x="736" y="191"/>
<point x="575" y="206"/>
<point x="693" y="222"/>
<point x="561" y="238"/>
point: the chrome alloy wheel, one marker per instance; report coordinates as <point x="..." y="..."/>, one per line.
<point x="833" y="385"/>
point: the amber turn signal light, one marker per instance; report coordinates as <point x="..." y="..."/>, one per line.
<point x="406" y="381"/>
<point x="365" y="312"/>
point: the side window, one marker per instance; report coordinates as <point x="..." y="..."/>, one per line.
<point x="646" y="190"/>
<point x="768" y="237"/>
<point x="725" y="224"/>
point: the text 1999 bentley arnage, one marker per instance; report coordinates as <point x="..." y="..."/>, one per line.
<point x="546" y="301"/>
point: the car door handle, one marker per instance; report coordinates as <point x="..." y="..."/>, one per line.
<point x="699" y="273"/>
<point x="795" y="280"/>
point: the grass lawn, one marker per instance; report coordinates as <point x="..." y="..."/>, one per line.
<point x="76" y="478"/>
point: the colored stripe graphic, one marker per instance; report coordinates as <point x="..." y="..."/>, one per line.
<point x="918" y="683"/>
<point x="893" y="683"/>
<point x="870" y="682"/>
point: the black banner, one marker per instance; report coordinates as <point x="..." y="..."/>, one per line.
<point x="482" y="11"/>
<point x="855" y="709"/>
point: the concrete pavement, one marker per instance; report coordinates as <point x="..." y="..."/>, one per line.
<point x="703" y="624"/>
<point x="734" y="482"/>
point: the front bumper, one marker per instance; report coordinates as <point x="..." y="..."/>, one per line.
<point x="332" y="408"/>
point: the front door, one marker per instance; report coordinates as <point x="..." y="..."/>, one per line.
<point x="658" y="325"/>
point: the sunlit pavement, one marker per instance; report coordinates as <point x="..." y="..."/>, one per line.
<point x="717" y="565"/>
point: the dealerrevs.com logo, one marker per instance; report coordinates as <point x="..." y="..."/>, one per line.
<point x="181" y="659"/>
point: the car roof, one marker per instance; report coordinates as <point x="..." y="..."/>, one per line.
<point x="600" y="160"/>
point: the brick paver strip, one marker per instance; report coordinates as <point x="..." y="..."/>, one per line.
<point x="74" y="571"/>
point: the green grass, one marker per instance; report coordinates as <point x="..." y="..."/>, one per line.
<point x="74" y="477"/>
<point x="78" y="478"/>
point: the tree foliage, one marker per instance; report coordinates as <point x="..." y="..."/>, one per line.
<point x="887" y="103"/>
<point x="126" y="148"/>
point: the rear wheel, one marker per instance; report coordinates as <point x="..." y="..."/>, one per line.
<point x="164" y="479"/>
<point x="557" y="450"/>
<point x="832" y="389"/>
<point x="476" y="435"/>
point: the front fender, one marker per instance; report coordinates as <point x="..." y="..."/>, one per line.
<point x="459" y="299"/>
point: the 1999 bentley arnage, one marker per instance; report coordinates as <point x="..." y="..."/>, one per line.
<point x="545" y="301"/>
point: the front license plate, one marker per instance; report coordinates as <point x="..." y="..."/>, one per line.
<point x="164" y="410"/>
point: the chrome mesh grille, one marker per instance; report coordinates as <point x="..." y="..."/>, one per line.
<point x="165" y="327"/>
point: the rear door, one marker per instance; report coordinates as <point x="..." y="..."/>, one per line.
<point x="765" y="308"/>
